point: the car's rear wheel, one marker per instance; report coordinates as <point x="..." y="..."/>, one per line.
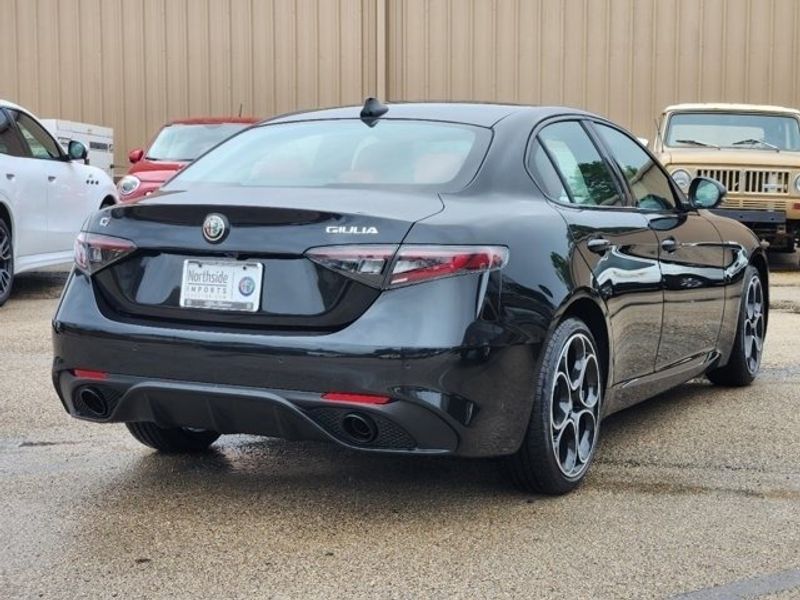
<point x="6" y="262"/>
<point x="174" y="439"/>
<point x="748" y="347"/>
<point x="565" y="421"/>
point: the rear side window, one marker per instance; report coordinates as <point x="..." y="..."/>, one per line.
<point x="649" y="184"/>
<point x="586" y="174"/>
<point x="9" y="139"/>
<point x="545" y="174"/>
<point x="345" y="153"/>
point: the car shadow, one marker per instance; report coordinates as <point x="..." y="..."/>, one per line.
<point x="38" y="285"/>
<point x="303" y="473"/>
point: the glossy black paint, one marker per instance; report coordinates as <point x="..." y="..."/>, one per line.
<point x="458" y="356"/>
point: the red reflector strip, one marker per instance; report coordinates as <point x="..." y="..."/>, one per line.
<point x="356" y="398"/>
<point x="89" y="374"/>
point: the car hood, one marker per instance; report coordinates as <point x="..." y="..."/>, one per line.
<point x="157" y="177"/>
<point x="744" y="158"/>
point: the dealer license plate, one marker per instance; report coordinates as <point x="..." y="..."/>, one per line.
<point x="221" y="285"/>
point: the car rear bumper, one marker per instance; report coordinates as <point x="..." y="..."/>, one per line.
<point x="469" y="394"/>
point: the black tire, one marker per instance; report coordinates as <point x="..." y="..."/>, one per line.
<point x="742" y="367"/>
<point x="540" y="465"/>
<point x="6" y="262"/>
<point x="172" y="440"/>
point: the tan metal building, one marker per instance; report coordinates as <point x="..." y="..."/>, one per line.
<point x="133" y="64"/>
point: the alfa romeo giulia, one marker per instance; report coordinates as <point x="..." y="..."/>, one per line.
<point x="430" y="279"/>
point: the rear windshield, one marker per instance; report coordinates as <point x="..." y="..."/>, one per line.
<point x="184" y="143"/>
<point x="734" y="130"/>
<point x="345" y="153"/>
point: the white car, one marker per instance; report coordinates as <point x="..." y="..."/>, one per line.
<point x="45" y="196"/>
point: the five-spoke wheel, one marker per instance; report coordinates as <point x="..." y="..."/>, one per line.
<point x="575" y="405"/>
<point x="744" y="361"/>
<point x="753" y="324"/>
<point x="565" y="421"/>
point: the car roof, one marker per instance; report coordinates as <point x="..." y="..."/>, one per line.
<point x="730" y="107"/>
<point x="471" y="113"/>
<point x="7" y="104"/>
<point x="213" y="120"/>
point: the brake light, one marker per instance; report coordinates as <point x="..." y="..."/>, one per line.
<point x="94" y="251"/>
<point x="356" y="398"/>
<point x="423" y="263"/>
<point x="390" y="266"/>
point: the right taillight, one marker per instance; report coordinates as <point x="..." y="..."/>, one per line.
<point x="94" y="251"/>
<point x="387" y="266"/>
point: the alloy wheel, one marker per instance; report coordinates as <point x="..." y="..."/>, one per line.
<point x="575" y="405"/>
<point x="5" y="262"/>
<point x="753" y="324"/>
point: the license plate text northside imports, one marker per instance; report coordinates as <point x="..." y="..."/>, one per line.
<point x="221" y="285"/>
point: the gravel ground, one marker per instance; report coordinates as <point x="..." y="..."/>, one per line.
<point x="699" y="487"/>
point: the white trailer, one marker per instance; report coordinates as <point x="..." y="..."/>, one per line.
<point x="99" y="141"/>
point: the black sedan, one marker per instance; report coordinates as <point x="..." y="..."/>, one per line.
<point x="437" y="279"/>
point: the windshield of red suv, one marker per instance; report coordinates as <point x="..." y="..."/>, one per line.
<point x="733" y="130"/>
<point x="185" y="142"/>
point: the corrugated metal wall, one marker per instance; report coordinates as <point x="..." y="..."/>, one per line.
<point x="626" y="59"/>
<point x="132" y="64"/>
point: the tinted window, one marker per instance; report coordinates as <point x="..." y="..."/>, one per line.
<point x="545" y="174"/>
<point x="9" y="140"/>
<point x="41" y="143"/>
<point x="587" y="176"/>
<point x="649" y="184"/>
<point x="344" y="153"/>
<point x="186" y="142"/>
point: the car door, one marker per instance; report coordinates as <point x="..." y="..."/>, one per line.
<point x="690" y="252"/>
<point x="67" y="185"/>
<point x="613" y="239"/>
<point x="23" y="186"/>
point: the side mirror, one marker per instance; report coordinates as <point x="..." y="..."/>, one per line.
<point x="136" y="155"/>
<point x="77" y="151"/>
<point x="706" y="193"/>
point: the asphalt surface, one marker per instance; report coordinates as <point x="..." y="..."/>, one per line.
<point x="697" y="488"/>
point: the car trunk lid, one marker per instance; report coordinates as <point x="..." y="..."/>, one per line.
<point x="271" y="227"/>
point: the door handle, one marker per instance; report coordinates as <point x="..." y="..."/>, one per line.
<point x="669" y="244"/>
<point x="51" y="178"/>
<point x="598" y="245"/>
<point x="10" y="176"/>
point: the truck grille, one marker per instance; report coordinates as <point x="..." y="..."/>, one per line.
<point x="750" y="181"/>
<point x="744" y="202"/>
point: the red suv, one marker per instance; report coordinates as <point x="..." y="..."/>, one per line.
<point x="177" y="144"/>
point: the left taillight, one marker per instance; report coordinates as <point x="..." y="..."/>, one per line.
<point x="390" y="266"/>
<point x="94" y="251"/>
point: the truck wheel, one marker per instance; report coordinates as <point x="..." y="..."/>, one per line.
<point x="6" y="262"/>
<point x="173" y="439"/>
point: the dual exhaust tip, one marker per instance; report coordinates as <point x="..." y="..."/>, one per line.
<point x="358" y="427"/>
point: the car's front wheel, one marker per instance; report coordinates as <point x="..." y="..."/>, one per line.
<point x="6" y="262"/>
<point x="173" y="439"/>
<point x="565" y="421"/>
<point x="745" y="359"/>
